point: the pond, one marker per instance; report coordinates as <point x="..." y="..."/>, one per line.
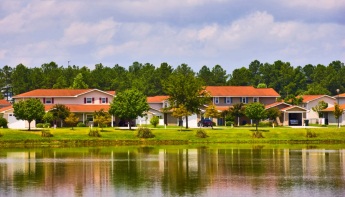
<point x="172" y="171"/>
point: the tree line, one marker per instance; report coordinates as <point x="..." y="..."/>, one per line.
<point x="286" y="79"/>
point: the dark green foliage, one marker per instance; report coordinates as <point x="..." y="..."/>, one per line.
<point x="143" y="132"/>
<point x="310" y="134"/>
<point x="80" y="124"/>
<point x="39" y="125"/>
<point x="46" y="133"/>
<point x="94" y="133"/>
<point x="201" y="133"/>
<point x="3" y="122"/>
<point x="30" y="109"/>
<point x="46" y="125"/>
<point x="60" y="112"/>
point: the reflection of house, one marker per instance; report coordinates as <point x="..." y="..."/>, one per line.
<point x="82" y="102"/>
<point x="310" y="101"/>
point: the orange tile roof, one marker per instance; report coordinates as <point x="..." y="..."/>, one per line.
<point x="276" y="104"/>
<point x="241" y="91"/>
<point x="157" y="99"/>
<point x="4" y="109"/>
<point x="222" y="108"/>
<point x="4" y="102"/>
<point x="81" y="108"/>
<point x="57" y="93"/>
<point x="331" y="109"/>
<point x="308" y="98"/>
<point x="291" y="107"/>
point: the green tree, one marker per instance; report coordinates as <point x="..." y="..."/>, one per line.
<point x="262" y="85"/>
<point x="180" y="112"/>
<point x="79" y="83"/>
<point x="30" y="109"/>
<point x="60" y="112"/>
<point x="256" y="111"/>
<point x="321" y="105"/>
<point x="211" y="111"/>
<point x="102" y="118"/>
<point x="185" y="89"/>
<point x="240" y="77"/>
<point x="219" y="76"/>
<point x="72" y="120"/>
<point x="316" y="89"/>
<point x="237" y="110"/>
<point x="48" y="117"/>
<point x="154" y="121"/>
<point x="337" y="112"/>
<point x="273" y="113"/>
<point x="206" y="75"/>
<point x="129" y="105"/>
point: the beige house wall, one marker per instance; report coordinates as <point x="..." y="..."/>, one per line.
<point x="235" y="100"/>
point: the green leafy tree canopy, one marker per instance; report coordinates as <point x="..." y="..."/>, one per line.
<point x="256" y="111"/>
<point x="29" y="110"/>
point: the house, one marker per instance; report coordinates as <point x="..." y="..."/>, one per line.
<point x="310" y="101"/>
<point x="82" y="102"/>
<point x="157" y="105"/>
<point x="329" y="115"/>
<point x="291" y="115"/>
<point x="224" y="97"/>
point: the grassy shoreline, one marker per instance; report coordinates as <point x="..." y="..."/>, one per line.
<point x="65" y="137"/>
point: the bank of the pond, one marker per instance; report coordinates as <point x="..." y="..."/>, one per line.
<point x="78" y="137"/>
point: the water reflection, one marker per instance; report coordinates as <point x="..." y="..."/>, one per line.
<point x="153" y="171"/>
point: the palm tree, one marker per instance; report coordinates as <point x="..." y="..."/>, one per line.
<point x="237" y="110"/>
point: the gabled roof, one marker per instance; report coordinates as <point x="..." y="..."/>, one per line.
<point x="5" y="109"/>
<point x="331" y="109"/>
<point x="309" y="98"/>
<point x="4" y="102"/>
<point x="59" y="93"/>
<point x="157" y="99"/>
<point x="291" y="107"/>
<point x="276" y="104"/>
<point x="241" y="91"/>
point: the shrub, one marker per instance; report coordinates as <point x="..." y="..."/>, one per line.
<point x="80" y="124"/>
<point x="264" y="124"/>
<point x="3" y="122"/>
<point x="201" y="133"/>
<point x="94" y="133"/>
<point x="39" y="125"/>
<point x="258" y="134"/>
<point x="144" y="132"/>
<point x="46" y="125"/>
<point x="46" y="133"/>
<point x="154" y="121"/>
<point x="310" y="134"/>
<point x="229" y="123"/>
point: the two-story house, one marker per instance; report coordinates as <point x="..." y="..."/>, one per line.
<point x="310" y="101"/>
<point x="82" y="102"/>
<point x="329" y="115"/>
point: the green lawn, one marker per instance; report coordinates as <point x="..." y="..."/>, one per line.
<point x="173" y="135"/>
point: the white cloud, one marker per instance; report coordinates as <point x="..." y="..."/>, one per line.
<point x="79" y="33"/>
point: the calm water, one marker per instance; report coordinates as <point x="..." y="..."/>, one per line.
<point x="172" y="171"/>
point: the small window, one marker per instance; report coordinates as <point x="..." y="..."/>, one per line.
<point x="228" y="100"/>
<point x="104" y="100"/>
<point x="48" y="101"/>
<point x="88" y="100"/>
<point x="89" y="117"/>
<point x="216" y="100"/>
<point x="244" y="100"/>
<point x="255" y="99"/>
<point x="166" y="104"/>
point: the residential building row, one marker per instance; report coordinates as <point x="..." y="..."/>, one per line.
<point x="84" y="102"/>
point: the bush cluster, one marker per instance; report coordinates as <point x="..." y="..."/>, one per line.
<point x="42" y="125"/>
<point x="80" y="124"/>
<point x="144" y="132"/>
<point x="46" y="133"/>
<point x="94" y="133"/>
<point x="201" y="133"/>
<point x="310" y="134"/>
<point x="258" y="134"/>
<point x="3" y="122"/>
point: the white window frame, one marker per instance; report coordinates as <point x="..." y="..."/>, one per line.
<point x="228" y="100"/>
<point x="216" y="100"/>
<point x="255" y="99"/>
<point x="244" y="99"/>
<point x="103" y="100"/>
<point x="88" y="100"/>
<point x="165" y="104"/>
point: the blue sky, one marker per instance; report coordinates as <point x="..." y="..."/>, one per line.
<point x="231" y="33"/>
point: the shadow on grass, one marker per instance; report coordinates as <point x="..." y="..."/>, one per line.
<point x="33" y="130"/>
<point x="260" y="130"/>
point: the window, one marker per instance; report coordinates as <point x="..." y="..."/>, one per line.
<point x="216" y="100"/>
<point x="244" y="99"/>
<point x="48" y="100"/>
<point x="103" y="100"/>
<point x="88" y="100"/>
<point x="228" y="100"/>
<point x="89" y="117"/>
<point x="256" y="99"/>
<point x="165" y="104"/>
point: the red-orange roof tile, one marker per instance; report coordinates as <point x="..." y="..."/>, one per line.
<point x="157" y="99"/>
<point x="4" y="102"/>
<point x="308" y="98"/>
<point x="57" y="93"/>
<point x="331" y="109"/>
<point x="4" y="109"/>
<point x="276" y="104"/>
<point x="241" y="91"/>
